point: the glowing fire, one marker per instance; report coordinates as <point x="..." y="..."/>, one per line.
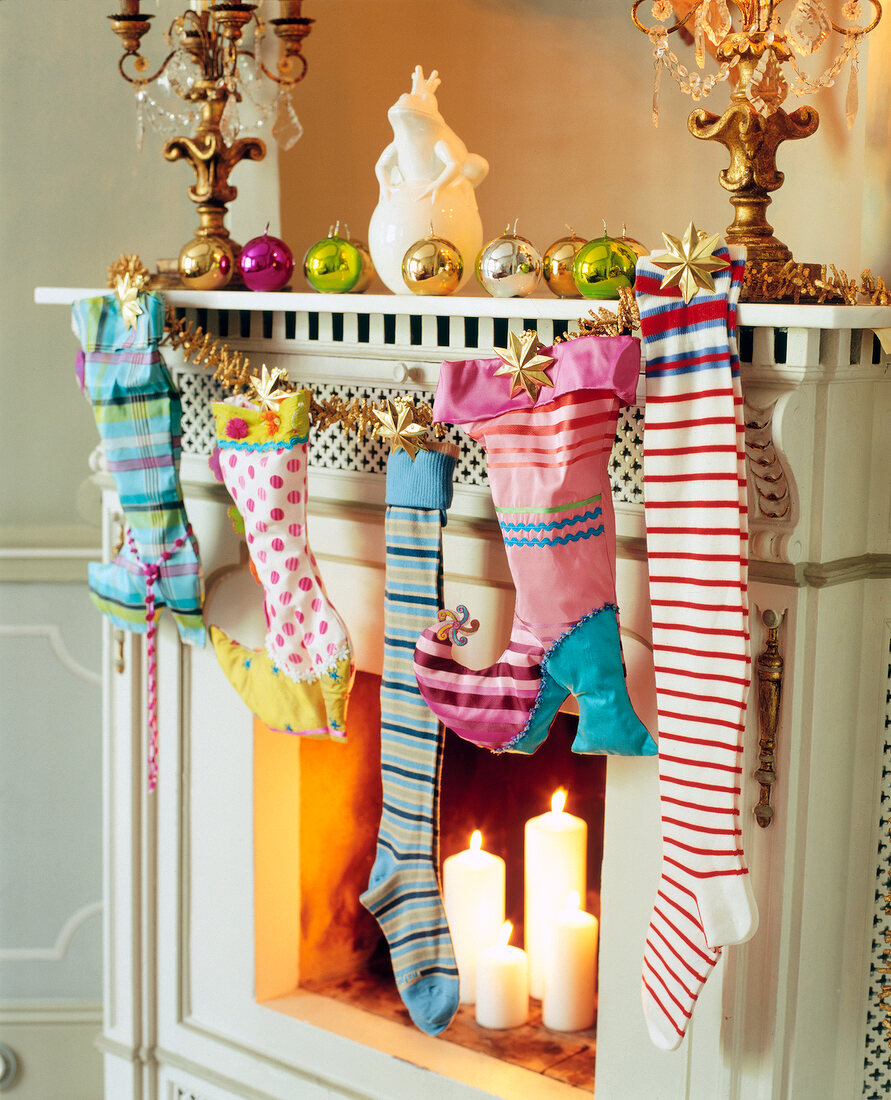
<point x="573" y="901"/>
<point x="558" y="800"/>
<point x="505" y="934"/>
<point x="476" y="840"/>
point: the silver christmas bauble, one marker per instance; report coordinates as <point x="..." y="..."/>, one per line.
<point x="509" y="267"/>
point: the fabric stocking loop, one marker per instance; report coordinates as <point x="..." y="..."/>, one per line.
<point x="152" y="571"/>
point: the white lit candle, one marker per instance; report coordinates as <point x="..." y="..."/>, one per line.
<point x="556" y="851"/>
<point x="502" y="984"/>
<point x="570" y="968"/>
<point x="473" y="895"/>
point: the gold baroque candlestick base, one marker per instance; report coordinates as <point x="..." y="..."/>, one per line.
<point x="752" y="137"/>
<point x="752" y="142"/>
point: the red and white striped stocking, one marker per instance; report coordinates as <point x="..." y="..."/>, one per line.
<point x="697" y="536"/>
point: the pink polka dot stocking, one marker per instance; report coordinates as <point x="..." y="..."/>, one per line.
<point x="263" y="462"/>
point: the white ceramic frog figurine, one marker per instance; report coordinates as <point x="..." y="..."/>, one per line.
<point x="426" y="178"/>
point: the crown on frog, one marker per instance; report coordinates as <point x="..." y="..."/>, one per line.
<point x="421" y="85"/>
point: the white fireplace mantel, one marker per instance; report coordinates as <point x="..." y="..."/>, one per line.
<point x="785" y="1016"/>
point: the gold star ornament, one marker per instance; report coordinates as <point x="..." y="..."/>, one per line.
<point x="522" y="363"/>
<point x="398" y="422"/>
<point x="128" y="291"/>
<point x="689" y="263"/>
<point x="266" y="393"/>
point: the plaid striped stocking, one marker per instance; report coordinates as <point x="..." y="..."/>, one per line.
<point x="696" y="517"/>
<point x="403" y="891"/>
<point x="138" y="413"/>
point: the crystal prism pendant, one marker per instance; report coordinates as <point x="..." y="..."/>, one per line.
<point x="717" y="20"/>
<point x="767" y="88"/>
<point x="288" y="129"/>
<point x="140" y="119"/>
<point x="230" y="123"/>
<point x="852" y="99"/>
<point x="808" y="27"/>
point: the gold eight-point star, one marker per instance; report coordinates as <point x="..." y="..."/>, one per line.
<point x="522" y="363"/>
<point x="689" y="263"/>
<point x="265" y="388"/>
<point x="399" y="424"/>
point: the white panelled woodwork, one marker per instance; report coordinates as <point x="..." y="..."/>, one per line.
<point x="782" y="1017"/>
<point x="50" y="824"/>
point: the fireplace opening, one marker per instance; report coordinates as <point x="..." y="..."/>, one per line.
<point x="317" y="808"/>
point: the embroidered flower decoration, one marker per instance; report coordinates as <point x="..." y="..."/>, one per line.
<point x="273" y="422"/>
<point x="237" y="428"/>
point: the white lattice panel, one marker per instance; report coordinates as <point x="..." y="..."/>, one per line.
<point x="877" y="1056"/>
<point x="332" y="449"/>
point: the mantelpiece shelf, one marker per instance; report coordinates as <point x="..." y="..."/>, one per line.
<point x="768" y="315"/>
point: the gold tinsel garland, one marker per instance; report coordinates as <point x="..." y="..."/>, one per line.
<point x="232" y="369"/>
<point x="604" y="322"/>
<point x="799" y="282"/>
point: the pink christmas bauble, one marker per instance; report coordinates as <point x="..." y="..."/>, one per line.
<point x="266" y="263"/>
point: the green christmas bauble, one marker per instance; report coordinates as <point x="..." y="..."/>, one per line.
<point x="603" y="266"/>
<point x="333" y="265"/>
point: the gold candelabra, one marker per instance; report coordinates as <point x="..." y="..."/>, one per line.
<point x="209" y="68"/>
<point x="753" y="42"/>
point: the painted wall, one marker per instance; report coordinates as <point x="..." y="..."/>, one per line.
<point x="74" y="194"/>
<point x="557" y="95"/>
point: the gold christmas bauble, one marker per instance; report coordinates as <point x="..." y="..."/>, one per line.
<point x="636" y="247"/>
<point x="557" y="266"/>
<point x="368" y="273"/>
<point x="432" y="265"/>
<point x="206" y="263"/>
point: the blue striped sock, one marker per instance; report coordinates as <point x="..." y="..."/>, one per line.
<point x="403" y="890"/>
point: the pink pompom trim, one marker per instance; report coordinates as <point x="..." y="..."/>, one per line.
<point x="237" y="428"/>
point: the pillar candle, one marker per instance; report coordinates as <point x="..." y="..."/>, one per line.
<point x="570" y="968"/>
<point x="502" y="984"/>
<point x="473" y="895"/>
<point x="556" y="851"/>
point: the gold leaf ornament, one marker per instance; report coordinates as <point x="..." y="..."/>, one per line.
<point x="128" y="292"/>
<point x="398" y="422"/>
<point x="128" y="264"/>
<point x="689" y="262"/>
<point x="266" y="393"/>
<point x="523" y="365"/>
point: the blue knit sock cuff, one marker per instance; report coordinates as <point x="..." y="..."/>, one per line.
<point x="425" y="482"/>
